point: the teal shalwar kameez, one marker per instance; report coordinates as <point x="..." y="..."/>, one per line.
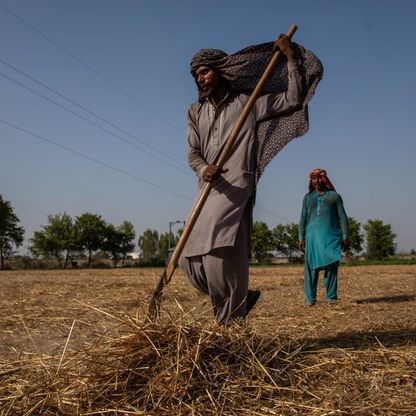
<point x="323" y="225"/>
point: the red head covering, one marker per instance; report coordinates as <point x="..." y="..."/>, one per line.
<point x="321" y="173"/>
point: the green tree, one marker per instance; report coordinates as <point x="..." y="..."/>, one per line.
<point x="163" y="245"/>
<point x="167" y="241"/>
<point x="11" y="234"/>
<point x="57" y="239"/>
<point x="119" y="241"/>
<point x="90" y="229"/>
<point x="127" y="237"/>
<point x="285" y="240"/>
<point x="261" y="241"/>
<point x="149" y="244"/>
<point x="356" y="238"/>
<point x="380" y="240"/>
<point x="112" y="243"/>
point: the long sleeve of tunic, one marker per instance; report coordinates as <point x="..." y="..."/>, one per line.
<point x="323" y="224"/>
<point x="208" y="129"/>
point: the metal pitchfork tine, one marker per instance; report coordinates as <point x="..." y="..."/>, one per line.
<point x="154" y="304"/>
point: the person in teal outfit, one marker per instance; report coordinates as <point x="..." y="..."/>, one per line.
<point x="323" y="232"/>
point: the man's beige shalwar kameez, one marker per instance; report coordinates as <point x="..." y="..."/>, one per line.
<point x="216" y="255"/>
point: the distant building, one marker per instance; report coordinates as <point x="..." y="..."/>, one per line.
<point x="134" y="255"/>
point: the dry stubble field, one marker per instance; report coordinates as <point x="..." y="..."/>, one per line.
<point x="354" y="357"/>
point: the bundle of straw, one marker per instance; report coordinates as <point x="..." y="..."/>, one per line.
<point x="199" y="368"/>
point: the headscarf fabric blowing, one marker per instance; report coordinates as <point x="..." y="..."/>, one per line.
<point x="243" y="69"/>
<point x="320" y="173"/>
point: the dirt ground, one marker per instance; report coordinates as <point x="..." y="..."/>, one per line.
<point x="356" y="357"/>
<point x="38" y="308"/>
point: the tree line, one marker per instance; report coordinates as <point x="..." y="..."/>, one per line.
<point x="378" y="239"/>
<point x="64" y="239"/>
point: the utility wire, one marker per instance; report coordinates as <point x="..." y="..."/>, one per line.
<point x="92" y="122"/>
<point x="100" y="75"/>
<point x="83" y="63"/>
<point x="272" y="214"/>
<point x="89" y="111"/>
<point x="94" y="160"/>
<point x="267" y="211"/>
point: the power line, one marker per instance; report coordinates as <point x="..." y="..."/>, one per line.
<point x="93" y="159"/>
<point x="267" y="211"/>
<point x="100" y="75"/>
<point x="271" y="213"/>
<point x="118" y="169"/>
<point x="88" y="111"/>
<point x="91" y="122"/>
<point x="83" y="63"/>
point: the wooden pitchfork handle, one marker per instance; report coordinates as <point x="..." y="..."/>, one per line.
<point x="173" y="261"/>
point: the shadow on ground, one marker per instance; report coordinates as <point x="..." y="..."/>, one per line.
<point x="388" y="299"/>
<point x="363" y="340"/>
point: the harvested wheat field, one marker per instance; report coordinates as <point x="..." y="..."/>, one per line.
<point x="77" y="342"/>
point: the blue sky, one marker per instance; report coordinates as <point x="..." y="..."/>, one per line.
<point x="118" y="146"/>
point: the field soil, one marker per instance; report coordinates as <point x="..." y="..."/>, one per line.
<point x="370" y="331"/>
<point x="377" y="303"/>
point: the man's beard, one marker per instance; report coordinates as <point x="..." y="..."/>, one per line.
<point x="207" y="93"/>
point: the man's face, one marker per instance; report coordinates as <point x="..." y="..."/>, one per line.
<point x="208" y="80"/>
<point x="317" y="183"/>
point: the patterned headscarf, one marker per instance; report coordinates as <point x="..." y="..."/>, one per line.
<point x="214" y="58"/>
<point x="244" y="69"/>
<point x="321" y="173"/>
